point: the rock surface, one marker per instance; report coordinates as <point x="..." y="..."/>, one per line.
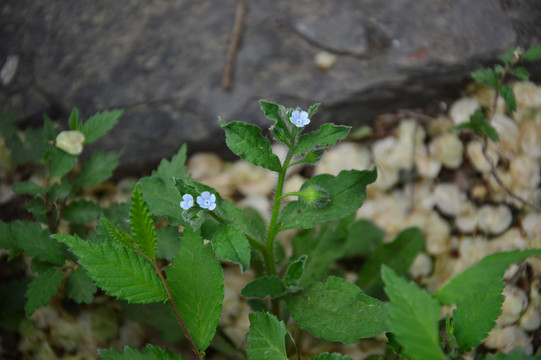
<point x="163" y="61"/>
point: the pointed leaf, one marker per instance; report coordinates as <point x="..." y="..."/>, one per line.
<point x="414" y="317"/>
<point x="195" y="279"/>
<point x="532" y="54"/>
<point x="294" y="272"/>
<point x="363" y="238"/>
<point x="313" y="109"/>
<point x="99" y="124"/>
<point x="174" y="168"/>
<point x="264" y="286"/>
<point x="486" y="76"/>
<point x="60" y="162"/>
<point x="119" y="234"/>
<point x="337" y="310"/>
<point x="326" y="136"/>
<point x="520" y="73"/>
<point x="42" y="289"/>
<point x="266" y="339"/>
<point x="120" y="272"/>
<point x="81" y="211"/>
<point x="142" y="225"/>
<point x="229" y="243"/>
<point x="28" y="187"/>
<point x="506" y="92"/>
<point x="151" y="352"/>
<point x="74" y="121"/>
<point x="98" y="168"/>
<point x="80" y="287"/>
<point x="37" y="242"/>
<point x="272" y="112"/>
<point x="162" y="198"/>
<point x="246" y="141"/>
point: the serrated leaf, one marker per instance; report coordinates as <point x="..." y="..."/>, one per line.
<point x="532" y="54"/>
<point x="28" y="187"/>
<point x="60" y="190"/>
<point x="326" y="136"/>
<point x="174" y="168"/>
<point x="80" y="287"/>
<point x="195" y="279"/>
<point x="229" y="243"/>
<point x="333" y="356"/>
<point x="168" y="243"/>
<point x="489" y="269"/>
<point x="347" y="192"/>
<point x="397" y="255"/>
<point x="294" y="272"/>
<point x="120" y="235"/>
<point x="266" y="339"/>
<point x="489" y="131"/>
<point x="517" y="354"/>
<point x="506" y="92"/>
<point x="120" y="272"/>
<point x="272" y="112"/>
<point x="337" y="310"/>
<point x="476" y="315"/>
<point x="311" y="158"/>
<point x="414" y="317"/>
<point x="60" y="162"/>
<point x="7" y="241"/>
<point x="151" y="352"/>
<point x="162" y="198"/>
<point x="142" y="225"/>
<point x="37" y="242"/>
<point x="98" y="168"/>
<point x="246" y="141"/>
<point x="508" y="55"/>
<point x="264" y="286"/>
<point x="42" y="289"/>
<point x="81" y="211"/>
<point x="520" y="72"/>
<point x="486" y="76"/>
<point x="49" y="129"/>
<point x="74" y="120"/>
<point x="99" y="124"/>
<point x="363" y="238"/>
<point x="313" y="109"/>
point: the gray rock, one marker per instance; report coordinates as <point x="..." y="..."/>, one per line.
<point x="162" y="61"/>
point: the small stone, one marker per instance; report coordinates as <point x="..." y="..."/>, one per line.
<point x="474" y="150"/>
<point x="462" y="109"/>
<point x="466" y="219"/>
<point x="530" y="138"/>
<point x="514" y="304"/>
<point x="494" y="219"/>
<point x="508" y="132"/>
<point x="344" y="156"/>
<point x="324" y="60"/>
<point x="508" y="338"/>
<point x="531" y="224"/>
<point x="449" y="198"/>
<point x="421" y="267"/>
<point x="530" y="319"/>
<point x="448" y="149"/>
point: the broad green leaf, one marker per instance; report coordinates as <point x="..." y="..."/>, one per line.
<point x="266" y="339"/>
<point x="162" y="198"/>
<point x="81" y="211"/>
<point x="264" y="286"/>
<point x="517" y="354"/>
<point x="363" y="238"/>
<point x="347" y="192"/>
<point x="398" y="255"/>
<point x="168" y="243"/>
<point x="311" y="158"/>
<point x="120" y="235"/>
<point x="60" y="190"/>
<point x="333" y="356"/>
<point x="28" y="187"/>
<point x="98" y="168"/>
<point x="520" y="72"/>
<point x="326" y="136"/>
<point x="174" y="168"/>
<point x="489" y="131"/>
<point x="37" y="242"/>
<point x="151" y="352"/>
<point x="337" y="310"/>
<point x="42" y="289"/>
<point x="38" y="208"/>
<point x="74" y="121"/>
<point x="119" y="271"/>
<point x="99" y="124"/>
<point x="414" y="316"/>
<point x="251" y="225"/>
<point x="80" y="287"/>
<point x="49" y="129"/>
<point x="490" y="269"/>
<point x="229" y="243"/>
<point x="294" y="272"/>
<point x="246" y="141"/>
<point x="506" y="92"/>
<point x="532" y="54"/>
<point x="195" y="279"/>
<point x="7" y="241"/>
<point x="142" y="225"/>
<point x="272" y="112"/>
<point x="60" y="162"/>
<point x="476" y="315"/>
<point x="486" y="76"/>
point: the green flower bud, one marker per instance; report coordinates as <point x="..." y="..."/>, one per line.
<point x="70" y="141"/>
<point x="315" y="196"/>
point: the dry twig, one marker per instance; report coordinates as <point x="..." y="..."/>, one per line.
<point x="234" y="45"/>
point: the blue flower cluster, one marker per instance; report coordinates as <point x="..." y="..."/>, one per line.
<point x="206" y="200"/>
<point x="299" y="118"/>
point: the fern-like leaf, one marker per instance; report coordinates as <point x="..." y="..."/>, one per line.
<point x="142" y="225"/>
<point x="119" y="234"/>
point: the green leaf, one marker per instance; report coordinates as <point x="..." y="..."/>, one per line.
<point x="38" y="208"/>
<point x="397" y="255"/>
<point x="475" y="316"/>
<point x="60" y="190"/>
<point x="313" y="109"/>
<point x="520" y="72"/>
<point x="157" y="315"/>
<point x="195" y="279"/>
<point x="347" y="192"/>
<point x="42" y="289"/>
<point x="486" y="76"/>
<point x="142" y="225"/>
<point x="508" y="56"/>
<point x="60" y="162"/>
<point x="7" y="241"/>
<point x="168" y="243"/>
<point x="196" y="215"/>
<point x="489" y="131"/>
<point x="337" y="310"/>
<point x="81" y="211"/>
<point x="37" y="242"/>
<point x="120" y="235"/>
<point x="363" y="238"/>
<point x="272" y="112"/>
<point x="229" y="243"/>
<point x="80" y="287"/>
<point x="28" y="187"/>
<point x="98" y="168"/>
<point x="311" y="158"/>
<point x="264" y="286"/>
<point x="506" y="92"/>
<point x="414" y="317"/>
<point x="489" y="269"/>
<point x="333" y="356"/>
<point x="99" y="124"/>
<point x="167" y="170"/>
<point x="162" y="199"/>
<point x="49" y="129"/>
<point x="151" y="352"/>
<point x="120" y="272"/>
<point x="35" y="145"/>
<point x="246" y="141"/>
<point x="326" y="136"/>
<point x="74" y="121"/>
<point x="266" y="339"/>
<point x="294" y="272"/>
<point x="517" y="354"/>
<point x="532" y="54"/>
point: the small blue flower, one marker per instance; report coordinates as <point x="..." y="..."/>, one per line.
<point x="207" y="200"/>
<point x="299" y="118"/>
<point x="187" y="201"/>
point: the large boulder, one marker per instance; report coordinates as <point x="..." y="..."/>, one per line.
<point x="162" y="61"/>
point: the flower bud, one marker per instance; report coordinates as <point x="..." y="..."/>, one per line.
<point x="315" y="196"/>
<point x="70" y="141"/>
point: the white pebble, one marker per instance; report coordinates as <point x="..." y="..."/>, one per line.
<point x="448" y="149"/>
<point x="421" y="267"/>
<point x="466" y="220"/>
<point x="509" y="338"/>
<point x="494" y="219"/>
<point x="514" y="304"/>
<point x="448" y="198"/>
<point x="462" y="109"/>
<point x="474" y="150"/>
<point x="531" y="224"/>
<point x="530" y="319"/>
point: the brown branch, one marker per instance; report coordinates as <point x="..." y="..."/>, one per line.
<point x="234" y="45"/>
